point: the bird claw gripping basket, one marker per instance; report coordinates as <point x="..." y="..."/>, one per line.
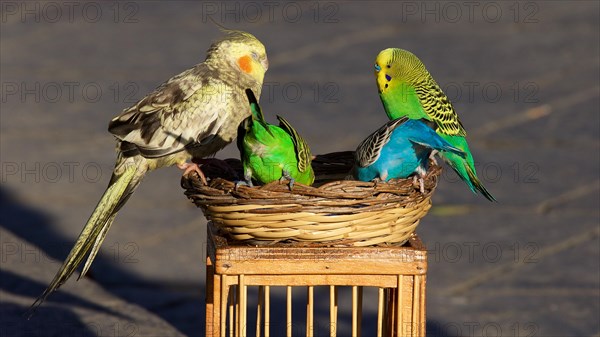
<point x="332" y="212"/>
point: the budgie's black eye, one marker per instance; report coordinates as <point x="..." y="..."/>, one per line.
<point x="389" y="66"/>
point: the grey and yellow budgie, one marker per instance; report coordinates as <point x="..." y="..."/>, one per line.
<point x="192" y="115"/>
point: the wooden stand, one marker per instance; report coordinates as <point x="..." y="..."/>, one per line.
<point x="398" y="273"/>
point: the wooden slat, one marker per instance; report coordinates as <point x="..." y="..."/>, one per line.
<point x="216" y="309"/>
<point x="380" y="308"/>
<point x="237" y="311"/>
<point x="259" y="310"/>
<point x="408" y="309"/>
<point x="267" y="311"/>
<point x="333" y="309"/>
<point x="223" y="307"/>
<point x="399" y="306"/>
<point x="242" y="306"/>
<point x="354" y="310"/>
<point x="343" y="266"/>
<point x="288" y="320"/>
<point x="231" y="307"/>
<point x="210" y="299"/>
<point x="416" y="303"/>
<point x="310" y="294"/>
<point x="323" y="280"/>
<point x="421" y="320"/>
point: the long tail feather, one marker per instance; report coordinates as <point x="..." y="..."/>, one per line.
<point x="91" y="237"/>
<point x="96" y="247"/>
<point x="464" y="166"/>
<point x="466" y="172"/>
<point x="478" y="185"/>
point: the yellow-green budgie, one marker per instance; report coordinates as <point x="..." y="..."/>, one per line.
<point x="192" y="115"/>
<point x="407" y="89"/>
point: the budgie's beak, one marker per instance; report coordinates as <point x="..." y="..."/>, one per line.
<point x="382" y="82"/>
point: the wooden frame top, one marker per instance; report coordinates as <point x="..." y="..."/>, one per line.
<point x="235" y="258"/>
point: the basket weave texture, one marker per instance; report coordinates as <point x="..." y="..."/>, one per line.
<point x="332" y="211"/>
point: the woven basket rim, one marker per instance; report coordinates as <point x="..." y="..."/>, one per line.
<point x="354" y="212"/>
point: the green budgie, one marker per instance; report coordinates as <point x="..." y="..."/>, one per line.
<point x="407" y="89"/>
<point x="271" y="152"/>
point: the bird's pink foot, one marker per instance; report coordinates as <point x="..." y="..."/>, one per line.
<point x="420" y="181"/>
<point x="189" y="167"/>
<point x="214" y="167"/>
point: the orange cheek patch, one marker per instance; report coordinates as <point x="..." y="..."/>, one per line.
<point x="245" y="63"/>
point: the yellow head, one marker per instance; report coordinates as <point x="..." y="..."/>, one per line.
<point x="241" y="51"/>
<point x="400" y="67"/>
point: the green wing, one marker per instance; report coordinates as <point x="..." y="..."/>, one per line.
<point x="302" y="149"/>
<point x="438" y="107"/>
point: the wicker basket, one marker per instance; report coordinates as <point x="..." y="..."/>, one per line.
<point x="331" y="212"/>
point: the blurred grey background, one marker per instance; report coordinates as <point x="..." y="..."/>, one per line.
<point x="523" y="76"/>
